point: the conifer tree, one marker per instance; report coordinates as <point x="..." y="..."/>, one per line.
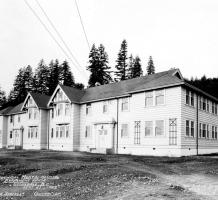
<point x="41" y="77"/>
<point x="54" y="76"/>
<point x="150" y="67"/>
<point x="98" y="66"/>
<point x="121" y="66"/>
<point x="2" y="98"/>
<point x="136" y="68"/>
<point x="66" y="75"/>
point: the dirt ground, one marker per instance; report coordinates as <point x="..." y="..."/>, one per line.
<point x="73" y="175"/>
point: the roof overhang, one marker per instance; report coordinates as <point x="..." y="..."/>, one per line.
<point x="26" y="99"/>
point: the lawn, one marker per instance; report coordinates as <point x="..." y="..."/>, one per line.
<point x="74" y="175"/>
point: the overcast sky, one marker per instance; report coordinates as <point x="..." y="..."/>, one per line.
<point x="176" y="33"/>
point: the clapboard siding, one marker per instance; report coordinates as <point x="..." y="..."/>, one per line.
<point x="190" y="113"/>
<point x="3" y="130"/>
<point x="137" y="112"/>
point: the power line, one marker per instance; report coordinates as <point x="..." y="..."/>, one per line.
<point x="57" y="32"/>
<point x="36" y="15"/>
<point x="77" y="7"/>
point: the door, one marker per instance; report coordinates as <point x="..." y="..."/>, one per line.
<point x="104" y="137"/>
<point x="17" y="138"/>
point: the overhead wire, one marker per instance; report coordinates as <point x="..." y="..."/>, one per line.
<point x="52" y="36"/>
<point x="81" y="21"/>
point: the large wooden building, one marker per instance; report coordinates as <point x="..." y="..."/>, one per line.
<point x="159" y="114"/>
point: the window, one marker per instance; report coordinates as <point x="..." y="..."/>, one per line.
<point x="11" y="119"/>
<point x="173" y="131"/>
<point x="60" y="95"/>
<point x="30" y="113"/>
<point x="124" y="104"/>
<point x="52" y="133"/>
<point x="204" y="104"/>
<point x="67" y="109"/>
<point x="200" y="130"/>
<point x="208" y="131"/>
<point x="88" y="108"/>
<point x="148" y="99"/>
<point x="204" y="131"/>
<point x="159" y="97"/>
<point x="215" y="108"/>
<point x="57" y="131"/>
<point x="62" y="131"/>
<point x="124" y="130"/>
<point x="28" y="132"/>
<point x="36" y="132"/>
<point x="137" y="132"/>
<point x="11" y="135"/>
<point x="30" y="101"/>
<point x="215" y="136"/>
<point x="208" y="106"/>
<point x="187" y="127"/>
<point x="67" y="131"/>
<point x="192" y="99"/>
<point x="187" y="99"/>
<point x="105" y="107"/>
<point x="35" y="113"/>
<point x="192" y="129"/>
<point x="200" y="103"/>
<point x="60" y="109"/>
<point x="52" y="113"/>
<point x="31" y="132"/>
<point x="88" y="132"/>
<point x="18" y="118"/>
<point x="148" y="128"/>
<point x="159" y="128"/>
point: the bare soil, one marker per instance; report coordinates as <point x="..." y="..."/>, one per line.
<point x="75" y="175"/>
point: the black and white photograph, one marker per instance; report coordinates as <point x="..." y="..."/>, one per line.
<point x="108" y="99"/>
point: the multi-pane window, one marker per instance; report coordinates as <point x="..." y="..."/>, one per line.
<point x="36" y="132"/>
<point x="60" y="109"/>
<point x="88" y="108"/>
<point x="125" y="104"/>
<point x="200" y="102"/>
<point x="11" y="119"/>
<point x="148" y="128"/>
<point x="137" y="130"/>
<point x="35" y="113"/>
<point x="204" y="131"/>
<point x="192" y="99"/>
<point x="192" y="129"/>
<point x="215" y="136"/>
<point x="88" y="132"/>
<point x="30" y="113"/>
<point x="214" y="108"/>
<point x="124" y="130"/>
<point x="204" y="104"/>
<point x="148" y="99"/>
<point x="187" y="127"/>
<point x="208" y="106"/>
<point x="173" y="131"/>
<point x="62" y="131"/>
<point x="208" y="131"/>
<point x="187" y="97"/>
<point x="67" y="131"/>
<point x="159" y="97"/>
<point x="57" y="131"/>
<point x="33" y="132"/>
<point x="52" y="132"/>
<point x="67" y="109"/>
<point x="159" y="127"/>
<point x="105" y="107"/>
<point x="11" y="134"/>
<point x="18" y="118"/>
<point x="200" y="130"/>
<point x="29" y="133"/>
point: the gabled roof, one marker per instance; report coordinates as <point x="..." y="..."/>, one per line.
<point x="16" y="109"/>
<point x="122" y="88"/>
<point x="5" y="110"/>
<point x="41" y="100"/>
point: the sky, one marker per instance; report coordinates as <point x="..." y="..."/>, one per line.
<point x="176" y="33"/>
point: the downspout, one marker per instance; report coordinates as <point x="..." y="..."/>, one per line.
<point x="117" y="124"/>
<point x="197" y="127"/>
<point x="48" y="124"/>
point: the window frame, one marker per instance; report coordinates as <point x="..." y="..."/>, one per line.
<point x="151" y="96"/>
<point x="162" y="135"/>
<point x="122" y="130"/>
<point x="125" y="104"/>
<point x="151" y="129"/>
<point x="163" y="94"/>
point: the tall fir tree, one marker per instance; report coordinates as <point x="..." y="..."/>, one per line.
<point x="135" y="68"/>
<point x="98" y="66"/>
<point x="150" y="67"/>
<point x="122" y="71"/>
<point x="54" y="76"/>
<point x="130" y="66"/>
<point x="41" y="77"/>
<point x="3" y="99"/>
<point x="66" y="75"/>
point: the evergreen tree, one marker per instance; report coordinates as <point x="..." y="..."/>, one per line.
<point x="2" y="98"/>
<point x="54" y="77"/>
<point x="98" y="66"/>
<point x="66" y="75"/>
<point x="79" y="86"/>
<point x="121" y="66"/>
<point x="41" y="77"/>
<point x="150" y="67"/>
<point x="135" y="67"/>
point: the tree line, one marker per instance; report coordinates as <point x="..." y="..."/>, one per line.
<point x="46" y="77"/>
